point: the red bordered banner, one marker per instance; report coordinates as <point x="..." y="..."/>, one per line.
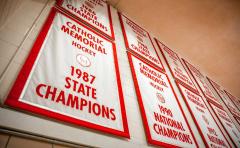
<point x="226" y="100"/>
<point x="229" y="127"/>
<point x="202" y="84"/>
<point x="161" y="112"/>
<point x="176" y="67"/>
<point x="97" y="14"/>
<point x="138" y="41"/>
<point x="235" y="100"/>
<point x="208" y="127"/>
<point x="63" y="75"/>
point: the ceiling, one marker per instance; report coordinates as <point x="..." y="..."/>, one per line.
<point x="205" y="32"/>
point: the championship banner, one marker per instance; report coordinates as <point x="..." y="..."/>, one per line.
<point x="176" y="68"/>
<point x="95" y="13"/>
<point x="72" y="74"/>
<point x="228" y="125"/>
<point x="227" y="101"/>
<point x="209" y="130"/>
<point x="201" y="81"/>
<point x="235" y="100"/>
<point x="164" y="121"/>
<point x="139" y="41"/>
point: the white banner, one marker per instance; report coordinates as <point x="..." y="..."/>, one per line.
<point x="138" y="40"/>
<point x="94" y="12"/>
<point x="164" y="121"/>
<point x="201" y="81"/>
<point x="209" y="130"/>
<point x="73" y="76"/>
<point x="228" y="125"/>
<point x="228" y="102"/>
<point x="175" y="65"/>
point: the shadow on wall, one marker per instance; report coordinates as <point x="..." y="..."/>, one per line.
<point x="8" y="7"/>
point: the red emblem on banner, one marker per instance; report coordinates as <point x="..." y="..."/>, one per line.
<point x="160" y="98"/>
<point x="83" y="60"/>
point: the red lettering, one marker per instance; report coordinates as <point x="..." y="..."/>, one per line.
<point x="38" y="90"/>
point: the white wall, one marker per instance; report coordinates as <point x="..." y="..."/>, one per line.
<point x="16" y="38"/>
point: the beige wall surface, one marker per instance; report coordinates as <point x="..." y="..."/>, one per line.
<point x="11" y="141"/>
<point x="205" y="32"/>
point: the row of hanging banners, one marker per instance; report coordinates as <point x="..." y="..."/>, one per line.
<point x="72" y="75"/>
